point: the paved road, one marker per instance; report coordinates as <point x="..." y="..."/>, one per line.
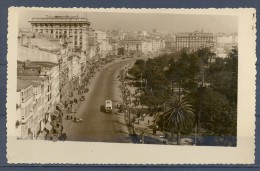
<point x="98" y="126"/>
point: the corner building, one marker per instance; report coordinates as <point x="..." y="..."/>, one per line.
<point x="73" y="29"/>
<point x="194" y="41"/>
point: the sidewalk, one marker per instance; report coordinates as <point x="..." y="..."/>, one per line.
<point x="69" y="123"/>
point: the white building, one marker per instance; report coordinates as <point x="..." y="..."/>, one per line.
<point x="38" y="49"/>
<point x="74" y="69"/>
<point x="24" y="110"/>
<point x="72" y="28"/>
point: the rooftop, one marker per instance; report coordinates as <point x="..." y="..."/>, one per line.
<point x="32" y="78"/>
<point x="194" y="34"/>
<point x="36" y="64"/>
<point x="29" y="72"/>
<point x="22" y="84"/>
<point x="45" y="44"/>
<point x="35" y="83"/>
<point x="34" y="68"/>
<point x="133" y="37"/>
<point x="60" y="19"/>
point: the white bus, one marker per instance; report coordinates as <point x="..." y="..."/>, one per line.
<point x="108" y="106"/>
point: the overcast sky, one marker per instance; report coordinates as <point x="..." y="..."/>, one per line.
<point x="137" y="22"/>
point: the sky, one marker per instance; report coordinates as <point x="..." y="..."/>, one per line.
<point x="137" y="22"/>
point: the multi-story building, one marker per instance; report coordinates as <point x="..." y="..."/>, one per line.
<point x="114" y="45"/>
<point x="223" y="39"/>
<point x="158" y="45"/>
<point x="38" y="49"/>
<point x="40" y="108"/>
<point x="147" y="47"/>
<point x="51" y="71"/>
<point x="73" y="29"/>
<point x="102" y="45"/>
<point x="92" y="43"/>
<point x="74" y="69"/>
<point x="48" y="74"/>
<point x="92" y="47"/>
<point x="169" y="44"/>
<point x="194" y="41"/>
<point x="224" y="44"/>
<point x="64" y="74"/>
<point x="24" y="110"/>
<point x="132" y="46"/>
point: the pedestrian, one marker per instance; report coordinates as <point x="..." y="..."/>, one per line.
<point x="148" y="121"/>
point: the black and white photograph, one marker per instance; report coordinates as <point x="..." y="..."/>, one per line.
<point x="132" y="78"/>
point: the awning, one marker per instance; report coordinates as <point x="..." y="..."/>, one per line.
<point x="48" y="126"/>
<point x="56" y="113"/>
<point x="60" y="106"/>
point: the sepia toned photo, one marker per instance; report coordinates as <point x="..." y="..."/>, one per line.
<point x="130" y="79"/>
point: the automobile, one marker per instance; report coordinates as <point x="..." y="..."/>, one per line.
<point x="164" y="141"/>
<point x="120" y="108"/>
<point x="63" y="137"/>
<point x="72" y="110"/>
<point x="78" y="120"/>
<point x="86" y="90"/>
<point x="108" y="106"/>
<point x="82" y="98"/>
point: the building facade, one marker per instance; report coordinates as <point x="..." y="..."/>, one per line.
<point x="194" y="41"/>
<point x="24" y="110"/>
<point x="39" y="100"/>
<point x="133" y="46"/>
<point x="73" y="29"/>
<point x="74" y="69"/>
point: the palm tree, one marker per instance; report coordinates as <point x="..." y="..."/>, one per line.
<point x="178" y="116"/>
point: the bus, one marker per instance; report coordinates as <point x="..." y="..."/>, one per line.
<point x="108" y="106"/>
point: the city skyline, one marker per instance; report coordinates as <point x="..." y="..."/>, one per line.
<point x="171" y="23"/>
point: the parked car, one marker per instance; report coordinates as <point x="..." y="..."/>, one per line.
<point x="77" y="120"/>
<point x="72" y="110"/>
<point x="86" y="90"/>
<point x="63" y="137"/>
<point x="82" y="98"/>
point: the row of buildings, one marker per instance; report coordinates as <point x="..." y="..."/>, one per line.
<point x="54" y="57"/>
<point x="52" y="60"/>
<point x="80" y="35"/>
<point x="57" y="54"/>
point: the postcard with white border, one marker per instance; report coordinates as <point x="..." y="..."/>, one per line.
<point x="131" y="86"/>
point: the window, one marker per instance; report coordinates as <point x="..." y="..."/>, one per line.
<point x="22" y="97"/>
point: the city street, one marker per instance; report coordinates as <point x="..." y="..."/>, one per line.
<point x="98" y="126"/>
<point x="86" y="84"/>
